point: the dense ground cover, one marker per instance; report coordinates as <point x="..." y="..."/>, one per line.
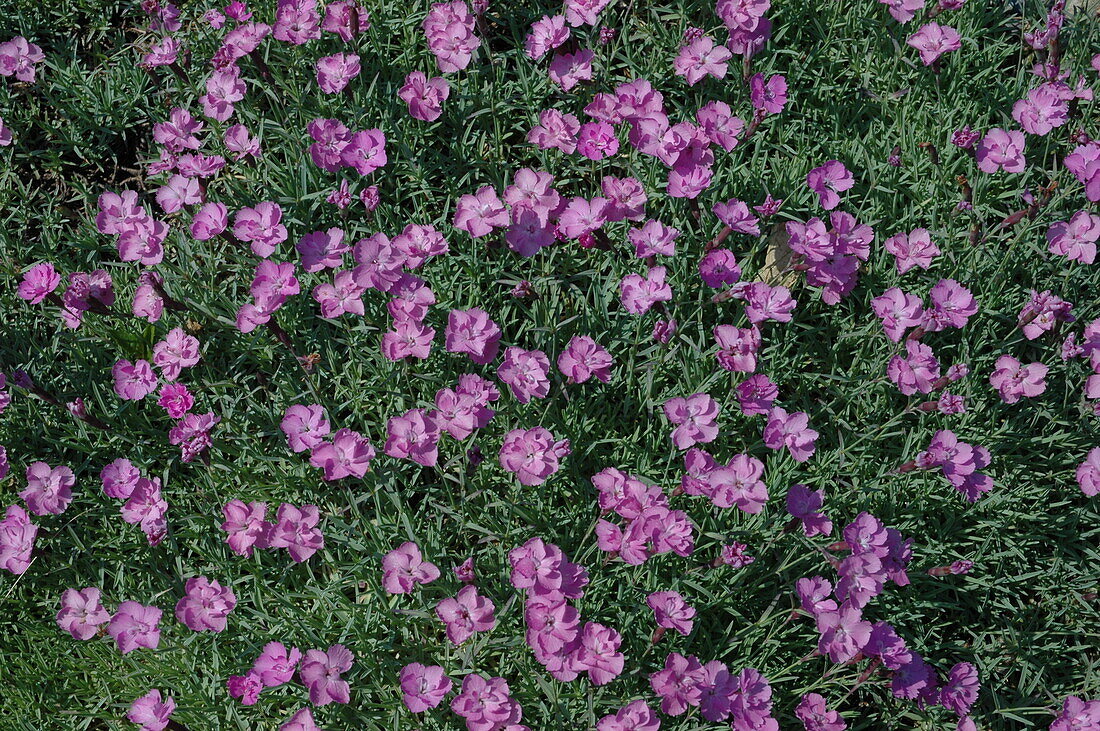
<point x="1021" y="609"/>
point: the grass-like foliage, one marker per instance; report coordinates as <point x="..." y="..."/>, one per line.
<point x="1002" y="530"/>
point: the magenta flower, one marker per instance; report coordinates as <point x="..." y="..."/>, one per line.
<point x="245" y="526"/>
<point x="952" y="306"/>
<point x="768" y="96"/>
<point x="718" y="268"/>
<point x="301" y="721"/>
<point x="135" y="625"/>
<point x="38" y="282"/>
<point x="829" y="180"/>
<point x="178" y="350"/>
<point x="898" y="312"/>
<point x="408" y="339"/>
<point x="320" y="673"/>
<point x="424" y="96"/>
<point x="597" y="140"/>
<point x="133" y="381"/>
<point x="805" y="505"/>
<point x="736" y="215"/>
<point x="423" y="686"/>
<point x="639" y="294"/>
<point x="738" y="483"/>
<point x="933" y="40"/>
<point x="1001" y="150"/>
<point x="756" y="394"/>
<point x="347" y="455"/>
<point x="815" y="716"/>
<point x="843" y="633"/>
<point x="961" y="689"/>
<point x="403" y="568"/>
<point x="547" y="33"/>
<point x="701" y="58"/>
<point x="582" y="216"/>
<point x="1088" y="473"/>
<point x="336" y="71"/>
<point x="480" y="213"/>
<point x="634" y="716"/>
<point x="569" y="69"/>
<point x="413" y="435"/>
<point x="918" y="371"/>
<point x="653" y="238"/>
<point x="49" y="490"/>
<point x="1013" y="380"/>
<point x="472" y="332"/>
<point x="526" y="372"/>
<point x="205" y="605"/>
<point x="764" y="302"/>
<point x="737" y="347"/>
<point x="344" y="295"/>
<point x="151" y="712"/>
<point x="247" y="688"/>
<point x="791" y="431"/>
<point x="295" y="529"/>
<point x="555" y="131"/>
<point x="466" y="614"/>
<point x="17" y="534"/>
<point x="305" y="427"/>
<point x="913" y="250"/>
<point x="18" y="58"/>
<point x="323" y="250"/>
<point x="671" y="611"/>
<point x="81" y="613"/>
<point x="532" y="454"/>
<point x="276" y="665"/>
<point x="694" y="417"/>
<point x="679" y="684"/>
<point x="485" y="704"/>
<point x="261" y="227"/>
<point x="1074" y="239"/>
<point x="583" y="358"/>
<point x="598" y="653"/>
<point x="1043" y="109"/>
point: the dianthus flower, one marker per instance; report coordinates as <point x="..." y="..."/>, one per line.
<point x="151" y="711"/>
<point x="81" y="613"/>
<point x="532" y="454"/>
<point x="466" y="614"/>
<point x="135" y="625"/>
<point x="320" y="673"/>
<point x="295" y="529"/>
<point x="49" y="489"/>
<point x="423" y="686"/>
<point x="404" y="567"/>
<point x="205" y="605"/>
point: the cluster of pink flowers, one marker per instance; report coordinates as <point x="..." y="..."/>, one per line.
<point x="449" y="29"/>
<point x="145" y="505"/>
<point x="830" y="255"/>
<point x="652" y="527"/>
<point x="294" y="528"/>
<point x="743" y="699"/>
<point x="738" y="483"/>
<point x="958" y="461"/>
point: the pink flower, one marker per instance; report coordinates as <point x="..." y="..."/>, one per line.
<point x="737" y="347"/>
<point x="1013" y="381"/>
<point x="295" y="529"/>
<point x="913" y="250"/>
<point x="532" y="454"/>
<point x="205" y="605"/>
<point x="597" y="140"/>
<point x="828" y="180"/>
<point x="1074" y="239"/>
<point x="18" y="58"/>
<point x="472" y="332"/>
<point x="791" y="431"/>
<point x="49" y="490"/>
<point x="408" y="339"/>
<point x="634" y="716"/>
<point x="335" y="71"/>
<point x="323" y="250"/>
<point x="261" y="227"/>
<point x="652" y="239"/>
<point x="466" y="614"/>
<point x="245" y="687"/>
<point x="764" y="302"/>
<point x="133" y="381"/>
<point x="805" y="505"/>
<point x="365" y="151"/>
<point x="192" y="434"/>
<point x="671" y="611"/>
<point x="1001" y="150"/>
<point x="755" y="395"/>
<point x="178" y="350"/>
<point x="815" y="716"/>
<point x="151" y="712"/>
<point x="146" y="507"/>
<point x="933" y="40"/>
<point x="346" y="18"/>
<point x="38" y="282"/>
<point x="175" y="399"/>
<point x="403" y="568"/>
<point x="347" y="455"/>
<point x="209" y="221"/>
<point x="639" y="294"/>
<point x="583" y="12"/>
<point x="1043" y="109"/>
<point x="526" y="372"/>
<point x="555" y="130"/>
<point x="276" y="665"/>
<point x="1084" y="163"/>
<point x="485" y="704"/>
<point x="598" y="653"/>
<point x="701" y="58"/>
<point x="918" y="371"/>
<point x="694" y="418"/>
<point x="898" y="311"/>
<point x="81" y="613"/>
<point x="320" y="672"/>
<point x="1088" y="473"/>
<point x="678" y="684"/>
<point x="5" y="134"/>
<point x="305" y="427"/>
<point x="245" y="526"/>
<point x="17" y="534"/>
<point x="424" y="96"/>
<point x="903" y="10"/>
<point x="546" y="34"/>
<point x="177" y="193"/>
<point x="952" y="306"/>
<point x="718" y="268"/>
<point x="135" y="625"/>
<point x="301" y="721"/>
<point x="569" y="69"/>
<point x="583" y="358"/>
<point x="769" y="96"/>
<point x="423" y="686"/>
<point x="843" y="633"/>
<point x="224" y="88"/>
<point x="344" y="295"/>
<point x="242" y="144"/>
<point x="479" y="214"/>
<point x="415" y="436"/>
